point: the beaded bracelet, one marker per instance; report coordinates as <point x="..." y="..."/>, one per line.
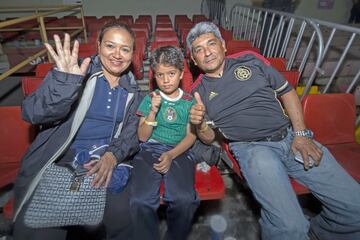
<point x="154" y="124"/>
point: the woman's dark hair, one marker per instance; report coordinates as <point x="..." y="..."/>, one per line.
<point x="115" y="24"/>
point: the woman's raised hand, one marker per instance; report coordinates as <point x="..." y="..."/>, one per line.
<point x="65" y="59"/>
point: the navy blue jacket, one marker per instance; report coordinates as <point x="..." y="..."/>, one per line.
<point x="59" y="105"/>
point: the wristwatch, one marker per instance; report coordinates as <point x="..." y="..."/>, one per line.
<point x="304" y="133"/>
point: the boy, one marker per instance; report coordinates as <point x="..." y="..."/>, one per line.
<point x="166" y="134"/>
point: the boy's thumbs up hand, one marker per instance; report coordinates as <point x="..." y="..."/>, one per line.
<point x="155" y="101"/>
<point x="197" y="111"/>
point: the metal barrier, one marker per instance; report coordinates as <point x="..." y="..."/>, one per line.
<point x="342" y="51"/>
<point x="215" y="10"/>
<point x="280" y="34"/>
<point x="49" y="10"/>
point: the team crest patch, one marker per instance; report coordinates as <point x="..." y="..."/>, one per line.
<point x="170" y="114"/>
<point x="242" y="73"/>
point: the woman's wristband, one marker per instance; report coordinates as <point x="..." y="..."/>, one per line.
<point x="153" y="124"/>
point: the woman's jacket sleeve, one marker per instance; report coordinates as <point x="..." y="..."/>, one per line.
<point x="53" y="99"/>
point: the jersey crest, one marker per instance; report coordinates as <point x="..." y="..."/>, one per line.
<point x="170" y="114"/>
<point x="242" y="73"/>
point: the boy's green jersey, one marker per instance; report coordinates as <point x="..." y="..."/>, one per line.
<point x="172" y="117"/>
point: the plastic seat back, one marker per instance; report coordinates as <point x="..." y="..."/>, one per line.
<point x="15" y="138"/>
<point x="30" y="84"/>
<point x="42" y="69"/>
<point x="331" y="117"/>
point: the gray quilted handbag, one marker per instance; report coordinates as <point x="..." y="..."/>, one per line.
<point x="64" y="198"/>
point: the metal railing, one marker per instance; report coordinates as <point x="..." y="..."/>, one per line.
<point x="215" y="10"/>
<point x="280" y="34"/>
<point x="39" y="16"/>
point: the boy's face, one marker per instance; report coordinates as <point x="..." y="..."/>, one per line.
<point x="168" y="79"/>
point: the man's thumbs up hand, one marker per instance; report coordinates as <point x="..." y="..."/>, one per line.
<point x="197" y="111"/>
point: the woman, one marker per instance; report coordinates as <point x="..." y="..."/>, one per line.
<point x="109" y="92"/>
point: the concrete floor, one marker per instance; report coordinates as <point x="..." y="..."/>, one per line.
<point x="232" y="218"/>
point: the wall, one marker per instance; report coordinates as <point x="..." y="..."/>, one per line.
<point x="123" y="7"/>
<point x="339" y="13"/>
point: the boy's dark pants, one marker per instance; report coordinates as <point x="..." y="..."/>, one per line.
<point x="179" y="194"/>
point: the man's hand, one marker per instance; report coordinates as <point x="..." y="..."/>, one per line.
<point x="197" y="111"/>
<point x="164" y="164"/>
<point x="103" y="169"/>
<point x="66" y="60"/>
<point x="307" y="148"/>
<point x="155" y="102"/>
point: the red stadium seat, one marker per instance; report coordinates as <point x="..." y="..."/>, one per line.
<point x="144" y="27"/>
<point x="236" y="49"/>
<point x="162" y="19"/>
<point x="30" y="34"/>
<point x="183" y="34"/>
<point x="332" y="119"/>
<point x="182" y="25"/>
<point x="163" y="36"/>
<point x="227" y="35"/>
<point x="16" y="136"/>
<point x="137" y="66"/>
<point x="30" y="84"/>
<point x="141" y="34"/>
<point x="232" y="45"/>
<point x="278" y="63"/>
<point x="93" y="24"/>
<point x="199" y="18"/>
<point x="140" y="46"/>
<point x="91" y="46"/>
<point x="181" y="19"/>
<point x="164" y="27"/>
<point x="155" y="45"/>
<point x="87" y="49"/>
<point x="85" y="54"/>
<point x="292" y="77"/>
<point x="209" y="185"/>
<point x="145" y="19"/>
<point x="55" y="23"/>
<point x="72" y="21"/>
<point x="42" y="69"/>
<point x="127" y="18"/>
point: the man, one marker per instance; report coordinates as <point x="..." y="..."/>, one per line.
<point x="240" y="98"/>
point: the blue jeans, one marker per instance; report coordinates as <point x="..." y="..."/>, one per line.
<point x="179" y="194"/>
<point x="266" y="167"/>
